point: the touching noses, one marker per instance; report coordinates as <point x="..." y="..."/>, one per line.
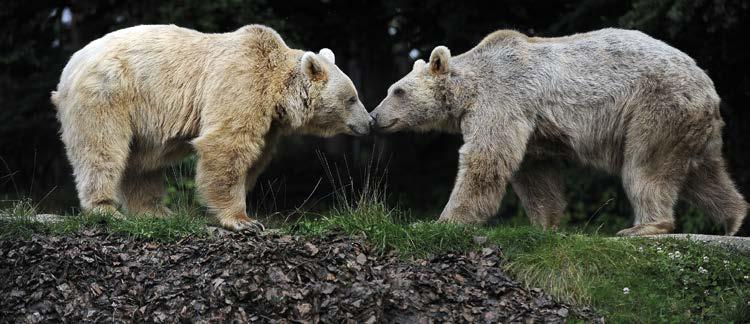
<point x="361" y="124"/>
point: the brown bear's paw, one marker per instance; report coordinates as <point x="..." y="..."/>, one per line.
<point x="242" y="223"/>
<point x="648" y="229"/>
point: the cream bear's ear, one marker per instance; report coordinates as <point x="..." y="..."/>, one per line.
<point x="418" y="63"/>
<point x="312" y="67"/>
<point x="328" y="55"/>
<point x="439" y="60"/>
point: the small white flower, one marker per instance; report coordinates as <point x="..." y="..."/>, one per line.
<point x="726" y="262"/>
<point x="658" y="249"/>
<point x="746" y="277"/>
<point x="640" y="249"/>
<point x="705" y="259"/>
<point x="625" y="291"/>
<point x="701" y="270"/>
<point x="682" y="269"/>
<point x="705" y="292"/>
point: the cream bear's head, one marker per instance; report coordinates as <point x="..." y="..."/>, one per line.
<point x="418" y="100"/>
<point x="333" y="100"/>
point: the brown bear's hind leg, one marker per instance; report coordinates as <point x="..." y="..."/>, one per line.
<point x="709" y="188"/>
<point x="652" y="183"/>
<point x="652" y="194"/>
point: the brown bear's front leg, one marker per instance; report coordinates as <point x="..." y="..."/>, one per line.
<point x="540" y="188"/>
<point x="220" y="177"/>
<point x="479" y="188"/>
<point x="487" y="161"/>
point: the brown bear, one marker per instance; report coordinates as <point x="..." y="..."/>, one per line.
<point x="613" y="99"/>
<point x="134" y="101"/>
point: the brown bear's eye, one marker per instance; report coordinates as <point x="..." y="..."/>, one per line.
<point x="398" y="91"/>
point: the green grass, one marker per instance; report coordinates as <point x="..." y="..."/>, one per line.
<point x="19" y="223"/>
<point x="578" y="268"/>
<point x="17" y="220"/>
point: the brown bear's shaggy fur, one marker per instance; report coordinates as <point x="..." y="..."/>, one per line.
<point x="613" y="99"/>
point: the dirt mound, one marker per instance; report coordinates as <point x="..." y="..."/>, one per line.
<point x="95" y="277"/>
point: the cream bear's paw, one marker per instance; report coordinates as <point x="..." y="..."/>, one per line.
<point x="243" y="224"/>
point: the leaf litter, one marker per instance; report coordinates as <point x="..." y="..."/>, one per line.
<point x="95" y="277"/>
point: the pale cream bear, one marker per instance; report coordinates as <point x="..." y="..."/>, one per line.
<point x="136" y="100"/>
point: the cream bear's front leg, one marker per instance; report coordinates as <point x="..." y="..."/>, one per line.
<point x="221" y="174"/>
<point x="487" y="161"/>
<point x="271" y="141"/>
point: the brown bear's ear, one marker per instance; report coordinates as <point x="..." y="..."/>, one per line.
<point x="312" y="67"/>
<point x="439" y="60"/>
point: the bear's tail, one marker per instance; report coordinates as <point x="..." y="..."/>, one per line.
<point x="55" y="97"/>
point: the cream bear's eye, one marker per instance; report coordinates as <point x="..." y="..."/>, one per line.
<point x="398" y="92"/>
<point x="351" y="100"/>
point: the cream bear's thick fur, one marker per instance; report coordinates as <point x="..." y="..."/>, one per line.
<point x="614" y="99"/>
<point x="137" y="99"/>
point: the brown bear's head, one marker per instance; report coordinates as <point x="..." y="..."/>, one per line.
<point x="332" y="99"/>
<point x="419" y="101"/>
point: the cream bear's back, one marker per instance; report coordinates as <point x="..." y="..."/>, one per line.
<point x="130" y="46"/>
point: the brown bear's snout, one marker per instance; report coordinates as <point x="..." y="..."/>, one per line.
<point x="374" y="116"/>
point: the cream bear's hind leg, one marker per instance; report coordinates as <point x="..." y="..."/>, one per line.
<point x="98" y="147"/>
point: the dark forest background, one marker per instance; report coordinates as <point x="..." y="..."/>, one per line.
<point x="375" y="44"/>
